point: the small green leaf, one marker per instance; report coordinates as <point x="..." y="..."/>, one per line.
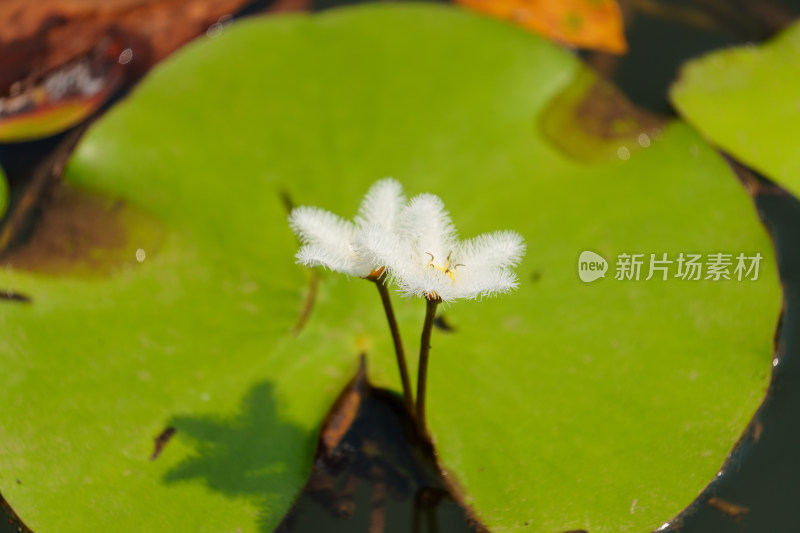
<point x="745" y="100"/>
<point x="604" y="406"/>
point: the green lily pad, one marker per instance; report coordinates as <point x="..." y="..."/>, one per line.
<point x="745" y="100"/>
<point x="604" y="406"/>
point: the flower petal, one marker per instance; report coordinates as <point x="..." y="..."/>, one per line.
<point x="382" y="248"/>
<point x="326" y="238"/>
<point x="428" y="226"/>
<point x="314" y="225"/>
<point x="312" y="255"/>
<point x="430" y="282"/>
<point x="486" y="283"/>
<point x="501" y="249"/>
<point x="381" y="205"/>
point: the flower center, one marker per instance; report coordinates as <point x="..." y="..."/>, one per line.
<point x="447" y="269"/>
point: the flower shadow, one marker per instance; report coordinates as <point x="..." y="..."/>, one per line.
<point x="369" y="468"/>
<point x="254" y="454"/>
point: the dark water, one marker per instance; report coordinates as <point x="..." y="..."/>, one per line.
<point x="381" y="477"/>
<point x="663" y="37"/>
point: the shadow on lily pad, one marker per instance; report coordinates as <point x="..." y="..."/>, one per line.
<point x="243" y="456"/>
<point x="371" y="471"/>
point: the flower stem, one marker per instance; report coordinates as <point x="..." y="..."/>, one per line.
<point x="422" y="374"/>
<point x="383" y="290"/>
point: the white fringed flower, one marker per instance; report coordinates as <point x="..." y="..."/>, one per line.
<point x="426" y="259"/>
<point x="329" y="241"/>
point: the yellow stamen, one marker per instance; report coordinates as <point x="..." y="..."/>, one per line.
<point x="447" y="270"/>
